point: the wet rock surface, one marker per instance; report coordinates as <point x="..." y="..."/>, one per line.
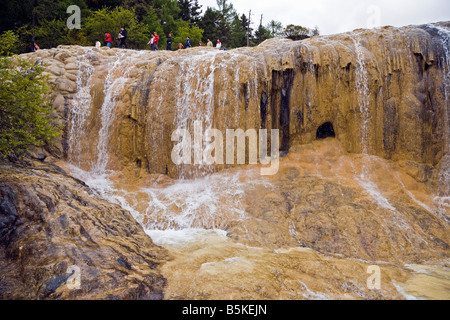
<point x="374" y="190"/>
<point x="50" y="222"/>
<point x="385" y="91"/>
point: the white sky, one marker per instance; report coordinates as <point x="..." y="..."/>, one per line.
<point x="336" y="16"/>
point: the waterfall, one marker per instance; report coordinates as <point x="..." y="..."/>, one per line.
<point x="444" y="176"/>
<point x="195" y="99"/>
<point x="118" y="73"/>
<point x="362" y="89"/>
<point x="81" y="105"/>
<point x="363" y="99"/>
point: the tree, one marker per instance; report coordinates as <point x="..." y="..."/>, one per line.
<point x="105" y="20"/>
<point x="185" y="30"/>
<point x="52" y="33"/>
<point x="190" y="11"/>
<point x="210" y="24"/>
<point x="275" y="28"/>
<point x="224" y="32"/>
<point x="238" y="33"/>
<point x="168" y="11"/>
<point x="24" y="108"/>
<point x="227" y="10"/>
<point x="261" y="33"/>
<point x="315" y="31"/>
<point x="296" y="32"/>
<point x="9" y="42"/>
<point x="154" y="25"/>
<point x="140" y="7"/>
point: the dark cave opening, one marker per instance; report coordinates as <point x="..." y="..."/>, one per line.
<point x="326" y="130"/>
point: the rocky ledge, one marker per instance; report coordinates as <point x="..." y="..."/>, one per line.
<point x="55" y="231"/>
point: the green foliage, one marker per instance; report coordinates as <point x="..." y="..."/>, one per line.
<point x="298" y="32"/>
<point x="24" y="108"/>
<point x="190" y="11"/>
<point x="168" y="12"/>
<point x="261" y="34"/>
<point x="275" y="28"/>
<point x="111" y="21"/>
<point x="52" y="33"/>
<point x="238" y="33"/>
<point x="25" y="35"/>
<point x="185" y="30"/>
<point x="153" y="24"/>
<point x="8" y="45"/>
<point x="226" y="10"/>
<point x="45" y="22"/>
<point x="210" y="25"/>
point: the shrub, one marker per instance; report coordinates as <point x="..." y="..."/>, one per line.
<point x="24" y="107"/>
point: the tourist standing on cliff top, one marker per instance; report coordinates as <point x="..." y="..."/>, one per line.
<point x="219" y="45"/>
<point x="188" y="43"/>
<point x="169" y="42"/>
<point x="150" y="42"/>
<point x="35" y="47"/>
<point x="108" y="39"/>
<point x="123" y="38"/>
<point x="209" y="44"/>
<point x="155" y="42"/>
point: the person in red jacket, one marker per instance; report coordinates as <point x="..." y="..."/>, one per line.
<point x="108" y="40"/>
<point x="155" y="42"/>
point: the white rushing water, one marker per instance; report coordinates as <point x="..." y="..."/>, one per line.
<point x="195" y="97"/>
<point x="442" y="199"/>
<point x="363" y="99"/>
<point x="81" y="105"/>
<point x="118" y="73"/>
<point x="362" y="89"/>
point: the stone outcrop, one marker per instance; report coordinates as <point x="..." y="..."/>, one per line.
<point x="377" y="193"/>
<point x="383" y="90"/>
<point x="50" y="222"/>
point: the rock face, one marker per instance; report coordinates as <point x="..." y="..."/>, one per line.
<point x="50" y="222"/>
<point x="376" y="194"/>
<point x="384" y="91"/>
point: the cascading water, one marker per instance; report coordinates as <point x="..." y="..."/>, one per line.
<point x="362" y="89"/>
<point x="363" y="99"/>
<point x="195" y="99"/>
<point x="81" y="105"/>
<point x="210" y="218"/>
<point x="116" y="79"/>
<point x="442" y="200"/>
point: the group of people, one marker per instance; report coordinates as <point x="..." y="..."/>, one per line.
<point x="122" y="37"/>
<point x="153" y="42"/>
<point x="200" y="44"/>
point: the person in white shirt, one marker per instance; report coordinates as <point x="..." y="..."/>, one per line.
<point x="219" y="44"/>
<point x="97" y="43"/>
<point x="150" y="43"/>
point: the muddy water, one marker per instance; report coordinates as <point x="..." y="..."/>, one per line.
<point x="310" y="232"/>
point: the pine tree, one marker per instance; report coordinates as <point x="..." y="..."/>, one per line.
<point x="210" y="23"/>
<point x="261" y="33"/>
<point x="275" y="28"/>
<point x="227" y="10"/>
<point x="238" y="33"/>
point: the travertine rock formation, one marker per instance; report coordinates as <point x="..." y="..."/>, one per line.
<point x="50" y="222"/>
<point x="377" y="194"/>
<point x="384" y="91"/>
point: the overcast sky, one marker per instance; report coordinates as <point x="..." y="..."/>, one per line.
<point x="335" y="16"/>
